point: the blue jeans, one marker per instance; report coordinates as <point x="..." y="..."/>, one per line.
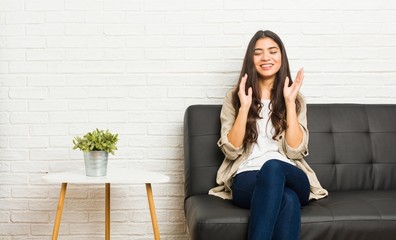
<point x="274" y="195"/>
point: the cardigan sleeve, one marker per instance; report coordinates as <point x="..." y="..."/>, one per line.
<point x="227" y="118"/>
<point x="301" y="150"/>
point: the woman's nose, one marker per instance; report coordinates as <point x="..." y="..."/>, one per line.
<point x="265" y="56"/>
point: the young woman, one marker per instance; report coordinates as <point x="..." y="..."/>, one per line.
<point x="264" y="137"/>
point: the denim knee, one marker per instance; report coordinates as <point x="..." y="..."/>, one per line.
<point x="270" y="167"/>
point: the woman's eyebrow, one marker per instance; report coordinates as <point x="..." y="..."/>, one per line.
<point x="260" y="49"/>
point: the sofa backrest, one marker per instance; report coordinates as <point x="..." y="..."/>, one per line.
<point x="202" y="156"/>
<point x="351" y="146"/>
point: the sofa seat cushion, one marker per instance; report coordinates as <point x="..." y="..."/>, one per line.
<point x="351" y="215"/>
<point x="209" y="217"/>
<point x="342" y="215"/>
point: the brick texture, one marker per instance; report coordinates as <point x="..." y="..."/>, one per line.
<point x="133" y="67"/>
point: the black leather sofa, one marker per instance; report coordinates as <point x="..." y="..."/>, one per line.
<point x="352" y="149"/>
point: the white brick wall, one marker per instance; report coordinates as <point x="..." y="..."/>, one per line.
<point x="133" y="66"/>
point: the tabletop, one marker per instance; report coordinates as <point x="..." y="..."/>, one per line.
<point x="114" y="175"/>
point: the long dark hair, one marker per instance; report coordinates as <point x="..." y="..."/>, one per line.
<point x="277" y="102"/>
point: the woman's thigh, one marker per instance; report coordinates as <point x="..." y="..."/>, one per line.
<point x="243" y="186"/>
<point x="244" y="183"/>
<point x="276" y="171"/>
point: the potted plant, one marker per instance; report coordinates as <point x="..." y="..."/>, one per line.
<point x="96" y="146"/>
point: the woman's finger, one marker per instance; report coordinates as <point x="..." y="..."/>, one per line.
<point x="287" y="80"/>
<point x="250" y="92"/>
<point x="300" y="75"/>
<point x="298" y="81"/>
<point x="243" y="84"/>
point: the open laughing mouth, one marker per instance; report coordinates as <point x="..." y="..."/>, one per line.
<point x="266" y="66"/>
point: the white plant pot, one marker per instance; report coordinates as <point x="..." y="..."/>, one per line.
<point x="96" y="163"/>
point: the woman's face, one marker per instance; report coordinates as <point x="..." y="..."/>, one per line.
<point x="267" y="58"/>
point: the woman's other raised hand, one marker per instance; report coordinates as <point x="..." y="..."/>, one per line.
<point x="246" y="100"/>
<point x="290" y="93"/>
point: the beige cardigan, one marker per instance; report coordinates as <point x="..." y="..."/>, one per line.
<point x="234" y="157"/>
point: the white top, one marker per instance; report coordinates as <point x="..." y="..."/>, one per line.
<point x="114" y="175"/>
<point x="265" y="148"/>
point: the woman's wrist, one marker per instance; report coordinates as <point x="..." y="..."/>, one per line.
<point x="290" y="105"/>
<point x="243" y="110"/>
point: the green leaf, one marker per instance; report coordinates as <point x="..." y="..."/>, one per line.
<point x="97" y="140"/>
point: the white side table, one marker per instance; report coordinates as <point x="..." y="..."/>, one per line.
<point x="114" y="175"/>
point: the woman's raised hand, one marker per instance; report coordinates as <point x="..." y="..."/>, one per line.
<point x="290" y="93"/>
<point x="246" y="100"/>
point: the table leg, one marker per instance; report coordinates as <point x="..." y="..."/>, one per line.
<point x="152" y="211"/>
<point x="107" y="213"/>
<point x="59" y="211"/>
